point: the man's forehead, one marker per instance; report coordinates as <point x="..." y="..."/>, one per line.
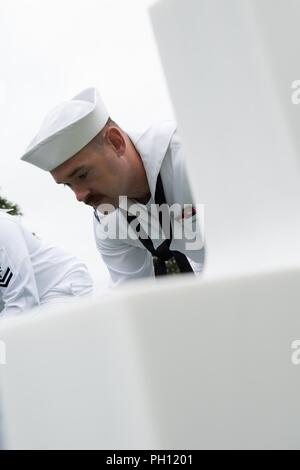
<point x="68" y="168"/>
<point x="81" y="158"/>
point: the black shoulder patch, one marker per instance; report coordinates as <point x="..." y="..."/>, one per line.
<point x="6" y="277"/>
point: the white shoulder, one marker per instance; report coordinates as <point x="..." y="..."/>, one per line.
<point x="9" y="225"/>
<point x="176" y="138"/>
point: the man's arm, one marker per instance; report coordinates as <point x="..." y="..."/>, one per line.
<point x="124" y="261"/>
<point x="17" y="281"/>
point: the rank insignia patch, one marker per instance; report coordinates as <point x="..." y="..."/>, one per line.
<point x="5" y="277"/>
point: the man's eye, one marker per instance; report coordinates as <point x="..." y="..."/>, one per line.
<point x="82" y="175"/>
<point x="67" y="185"/>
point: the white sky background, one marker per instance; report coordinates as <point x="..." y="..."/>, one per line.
<point x="49" y="51"/>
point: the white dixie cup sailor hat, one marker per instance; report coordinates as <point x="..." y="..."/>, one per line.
<point x="67" y="129"/>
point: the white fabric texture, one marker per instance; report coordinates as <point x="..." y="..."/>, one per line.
<point x="33" y="272"/>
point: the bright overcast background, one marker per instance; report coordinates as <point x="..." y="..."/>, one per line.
<point x="49" y="51"/>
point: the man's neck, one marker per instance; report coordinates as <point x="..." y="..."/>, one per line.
<point x="140" y="186"/>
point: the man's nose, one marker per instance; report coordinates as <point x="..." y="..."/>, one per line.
<point x="82" y="194"/>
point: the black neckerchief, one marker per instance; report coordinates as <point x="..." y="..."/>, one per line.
<point x="163" y="252"/>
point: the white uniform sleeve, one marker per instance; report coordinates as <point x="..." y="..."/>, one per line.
<point x="123" y="261"/>
<point x="178" y="190"/>
<point x="17" y="281"/>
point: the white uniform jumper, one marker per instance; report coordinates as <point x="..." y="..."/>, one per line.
<point x="126" y="259"/>
<point x="34" y="273"/>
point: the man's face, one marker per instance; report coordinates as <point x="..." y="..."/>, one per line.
<point x="97" y="175"/>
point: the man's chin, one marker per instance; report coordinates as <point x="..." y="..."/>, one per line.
<point x="106" y="206"/>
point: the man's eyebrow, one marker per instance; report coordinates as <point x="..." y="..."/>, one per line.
<point x="72" y="174"/>
<point x="75" y="171"/>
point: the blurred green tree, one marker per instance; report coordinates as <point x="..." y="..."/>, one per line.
<point x="11" y="208"/>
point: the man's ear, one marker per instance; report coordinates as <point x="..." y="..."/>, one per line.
<point x="115" y="138"/>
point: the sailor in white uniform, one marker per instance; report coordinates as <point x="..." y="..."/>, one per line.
<point x="33" y="273"/>
<point x="84" y="149"/>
